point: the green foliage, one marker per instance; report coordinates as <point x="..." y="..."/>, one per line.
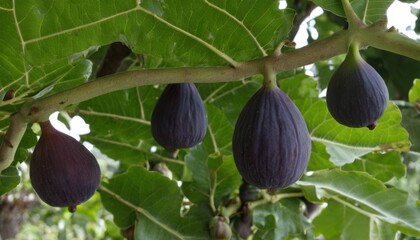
<point x="281" y="221"/>
<point x="367" y="195"/>
<point x="414" y="94"/>
<point x="153" y="208"/>
<point x="360" y="176"/>
<point x="371" y="11"/>
<point x="9" y="179"/>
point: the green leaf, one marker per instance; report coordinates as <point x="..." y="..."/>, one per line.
<point x="381" y="166"/>
<point x="374" y="9"/>
<point x="300" y="86"/>
<point x="411" y="121"/>
<point x="341" y="155"/>
<point x="9" y="179"/>
<point x="319" y="158"/>
<point x="280" y="221"/>
<point x="209" y="183"/>
<point x="338" y="221"/>
<point x="414" y="93"/>
<point x="155" y="205"/>
<point x="128" y="112"/>
<point x="391" y="205"/>
<point x="183" y="28"/>
<point x="219" y="131"/>
<point x="229" y="97"/>
<point x="323" y="128"/>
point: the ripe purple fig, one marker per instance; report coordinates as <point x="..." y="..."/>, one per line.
<point x="357" y="95"/>
<point x="62" y="171"/>
<point x="179" y="119"/>
<point x="271" y="143"/>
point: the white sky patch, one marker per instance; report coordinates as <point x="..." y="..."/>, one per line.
<point x="62" y="127"/>
<point x="79" y="126"/>
<point x="301" y="38"/>
<point x="283" y="4"/>
<point x="400" y="16"/>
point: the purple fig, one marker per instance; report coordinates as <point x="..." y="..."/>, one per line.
<point x="356" y="95"/>
<point x="249" y="193"/>
<point x="62" y="171"/>
<point x="271" y="143"/>
<point x="179" y="119"/>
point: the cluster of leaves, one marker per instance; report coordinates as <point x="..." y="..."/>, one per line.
<point x="51" y="46"/>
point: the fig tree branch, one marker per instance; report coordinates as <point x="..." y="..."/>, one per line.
<point x="38" y="110"/>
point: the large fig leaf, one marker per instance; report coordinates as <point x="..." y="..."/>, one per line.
<point x="381" y="166"/>
<point x="280" y="221"/>
<point x="323" y="128"/>
<point x="219" y="131"/>
<point x="121" y="120"/>
<point x="153" y="202"/>
<point x="368" y="196"/>
<point x="319" y="158"/>
<point x="338" y="221"/>
<point x="183" y="28"/>
<point x="229" y="97"/>
<point x="214" y="178"/>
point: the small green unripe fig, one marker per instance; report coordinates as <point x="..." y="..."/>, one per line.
<point x="62" y="171"/>
<point x="179" y="119"/>
<point x="271" y="143"/>
<point x="220" y="229"/>
<point x="356" y="95"/>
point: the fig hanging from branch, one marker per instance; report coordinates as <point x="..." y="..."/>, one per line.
<point x="271" y="144"/>
<point x="179" y="119"/>
<point x="62" y="171"/>
<point x="356" y="95"/>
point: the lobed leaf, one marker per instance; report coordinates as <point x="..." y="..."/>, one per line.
<point x="323" y="128"/>
<point x="213" y="178"/>
<point x="388" y="205"/>
<point x="154" y="206"/>
<point x="338" y="221"/>
<point x="280" y="221"/>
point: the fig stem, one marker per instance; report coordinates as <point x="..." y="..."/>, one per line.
<point x="353" y="20"/>
<point x="274" y="198"/>
<point x="354" y="52"/>
<point x="213" y="185"/>
<point x="270" y="75"/>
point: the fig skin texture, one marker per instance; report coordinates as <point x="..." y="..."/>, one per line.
<point x="62" y="171"/>
<point x="219" y="228"/>
<point x="356" y="95"/>
<point x="271" y="143"/>
<point x="179" y="119"/>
